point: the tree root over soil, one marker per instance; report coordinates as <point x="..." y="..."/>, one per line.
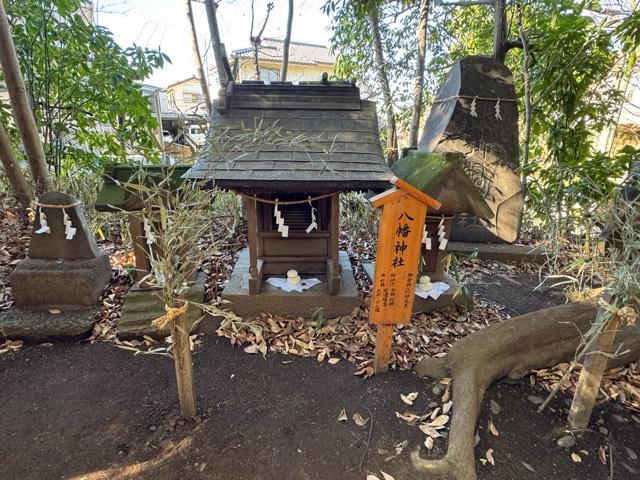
<point x="509" y="349"/>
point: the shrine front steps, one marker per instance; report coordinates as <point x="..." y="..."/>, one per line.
<point x="453" y="296"/>
<point x="293" y="304"/>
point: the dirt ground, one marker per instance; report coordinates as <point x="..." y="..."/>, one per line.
<point x="81" y="411"/>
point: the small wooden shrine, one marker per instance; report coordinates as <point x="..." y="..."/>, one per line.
<point x="314" y="140"/>
<point x="441" y="175"/>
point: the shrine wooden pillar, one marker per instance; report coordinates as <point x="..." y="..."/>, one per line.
<point x="255" y="264"/>
<point x="333" y="258"/>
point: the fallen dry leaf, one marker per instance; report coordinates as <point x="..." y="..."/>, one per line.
<point x="333" y="360"/>
<point x="489" y="456"/>
<point x="430" y="431"/>
<point x="409" y="398"/>
<point x="386" y="476"/>
<point x="576" y="458"/>
<point x="401" y="446"/>
<point x="428" y="442"/>
<point x="493" y="429"/>
<point x="439" y="421"/>
<point x="357" y="418"/>
<point x="447" y="407"/>
<point x="409" y="417"/>
<point x="372" y="477"/>
<point x="343" y="416"/>
<point x="602" y="455"/>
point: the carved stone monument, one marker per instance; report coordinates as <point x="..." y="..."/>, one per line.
<point x="64" y="270"/>
<point x="476" y="114"/>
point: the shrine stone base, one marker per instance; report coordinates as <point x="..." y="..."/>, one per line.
<point x="143" y="305"/>
<point x="294" y="304"/>
<point x="422" y="305"/>
<point x="501" y="252"/>
<point x="38" y="326"/>
<point x="43" y="284"/>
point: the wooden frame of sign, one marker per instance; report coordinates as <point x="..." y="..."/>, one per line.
<point x="404" y="210"/>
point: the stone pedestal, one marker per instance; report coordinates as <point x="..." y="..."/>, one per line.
<point x="61" y="272"/>
<point x="450" y="298"/>
<point x="34" y="326"/>
<point x="486" y="133"/>
<point x="142" y="305"/>
<point x="294" y="304"/>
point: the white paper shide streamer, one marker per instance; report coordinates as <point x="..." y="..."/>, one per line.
<point x="282" y="228"/>
<point x="69" y="229"/>
<point x="426" y="239"/>
<point x="148" y="232"/>
<point x="314" y="224"/>
<point x="472" y="108"/>
<point x="441" y="235"/>
<point x="44" y="226"/>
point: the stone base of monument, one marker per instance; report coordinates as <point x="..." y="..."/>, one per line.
<point x="142" y="306"/>
<point x="38" y="326"/>
<point x="42" y="284"/>
<point x="273" y="300"/>
<point x="501" y="252"/>
<point x="422" y="305"/>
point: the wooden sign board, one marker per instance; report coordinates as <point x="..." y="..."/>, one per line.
<point x="397" y="257"/>
<point x="404" y="211"/>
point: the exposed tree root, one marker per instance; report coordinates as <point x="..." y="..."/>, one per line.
<point x="510" y="349"/>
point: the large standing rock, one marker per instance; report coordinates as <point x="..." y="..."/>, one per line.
<point x="59" y="272"/>
<point x="489" y="144"/>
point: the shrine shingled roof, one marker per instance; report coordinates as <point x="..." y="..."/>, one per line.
<point x="279" y="136"/>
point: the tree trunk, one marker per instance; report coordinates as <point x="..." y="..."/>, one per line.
<point x="383" y="79"/>
<point x="216" y="44"/>
<point x="256" y="61"/>
<point x="22" y="113"/>
<point x="536" y="340"/>
<point x="184" y="366"/>
<point x="418" y="89"/>
<point x="500" y="40"/>
<point x="527" y="104"/>
<point x="287" y="42"/>
<point x="19" y="185"/>
<point x="198" y="58"/>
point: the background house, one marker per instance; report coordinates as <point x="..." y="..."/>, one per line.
<point x="307" y="61"/>
<point x="186" y="96"/>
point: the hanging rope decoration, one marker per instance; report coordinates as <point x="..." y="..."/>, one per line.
<point x="472" y="107"/>
<point x="289" y="202"/>
<point x="69" y="230"/>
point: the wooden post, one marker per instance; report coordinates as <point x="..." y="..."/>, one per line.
<point x="184" y="366"/>
<point x="382" y="354"/>
<point x="404" y="210"/>
<point x="590" y="379"/>
<point x="255" y="270"/>
<point x="333" y="262"/>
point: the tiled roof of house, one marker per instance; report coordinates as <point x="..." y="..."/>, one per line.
<point x="320" y="136"/>
<point x="301" y="53"/>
